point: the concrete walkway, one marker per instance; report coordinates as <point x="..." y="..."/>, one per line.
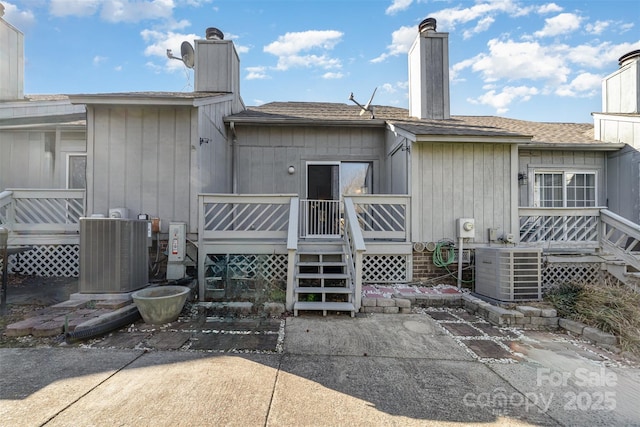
<point x="372" y="370"/>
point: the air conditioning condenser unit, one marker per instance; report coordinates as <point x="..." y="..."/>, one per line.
<point x="114" y="255"/>
<point x="509" y="274"/>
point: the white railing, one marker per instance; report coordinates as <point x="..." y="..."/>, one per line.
<point x="244" y="216"/>
<point x="355" y="249"/>
<point x="560" y="227"/>
<point x="620" y="237"/>
<point x="383" y="217"/>
<point x="320" y="218"/>
<point x="292" y="248"/>
<point x="43" y="211"/>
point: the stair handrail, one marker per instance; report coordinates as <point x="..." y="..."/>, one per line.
<point x="7" y="209"/>
<point x="355" y="247"/>
<point x="620" y="236"/>
<point x="292" y="248"/>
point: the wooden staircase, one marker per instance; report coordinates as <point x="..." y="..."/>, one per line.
<point x="322" y="281"/>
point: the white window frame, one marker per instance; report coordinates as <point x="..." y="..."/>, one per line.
<point x="564" y="172"/>
<point x="68" y="167"/>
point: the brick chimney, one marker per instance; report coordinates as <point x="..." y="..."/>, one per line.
<point x="429" y="73"/>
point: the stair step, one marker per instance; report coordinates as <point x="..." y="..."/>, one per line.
<point x="324" y="306"/>
<point x="322" y="290"/>
<point x="322" y="276"/>
<point x="323" y="263"/>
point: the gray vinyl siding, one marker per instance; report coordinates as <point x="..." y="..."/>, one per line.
<point x="23" y="161"/>
<point x="140" y="158"/>
<point x="266" y="152"/>
<point x="461" y="180"/>
<point x="623" y="182"/>
<point x="531" y="160"/>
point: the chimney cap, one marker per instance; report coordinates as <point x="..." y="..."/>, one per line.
<point x="428" y="24"/>
<point x="628" y="57"/>
<point x="213" y="33"/>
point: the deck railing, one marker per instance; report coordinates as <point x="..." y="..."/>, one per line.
<point x="383" y="216"/>
<point x="43" y="211"/>
<point x="581" y="228"/>
<point x="320" y="218"/>
<point x="355" y="249"/>
<point x="244" y="216"/>
<point x="620" y="237"/>
<point x="560" y="227"/>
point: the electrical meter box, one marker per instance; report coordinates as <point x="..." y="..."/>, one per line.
<point x="466" y="228"/>
<point x="177" y="241"/>
<point x="176" y="250"/>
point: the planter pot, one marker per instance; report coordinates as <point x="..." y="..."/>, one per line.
<point x="161" y="304"/>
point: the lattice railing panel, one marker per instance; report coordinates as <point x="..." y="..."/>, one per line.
<point x="385" y="268"/>
<point x="378" y="217"/>
<point x="48" y="211"/>
<point x="564" y="228"/>
<point x="261" y="267"/>
<point x="47" y="261"/>
<point x="557" y="273"/>
<point x="246" y="217"/>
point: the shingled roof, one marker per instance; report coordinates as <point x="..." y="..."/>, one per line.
<point x="336" y="114"/>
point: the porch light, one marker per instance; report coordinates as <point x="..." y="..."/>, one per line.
<point x="291" y="170"/>
<point x="522" y="178"/>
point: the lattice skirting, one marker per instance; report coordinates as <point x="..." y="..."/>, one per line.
<point x="385" y="268"/>
<point x="47" y="261"/>
<point x="584" y="272"/>
<point x="269" y="268"/>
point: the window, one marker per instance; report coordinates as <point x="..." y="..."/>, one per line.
<point x="77" y="171"/>
<point x="564" y="189"/>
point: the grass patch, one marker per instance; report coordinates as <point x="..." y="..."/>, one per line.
<point x="610" y="308"/>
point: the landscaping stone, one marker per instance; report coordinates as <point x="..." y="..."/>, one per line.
<point x="551" y="322"/>
<point x="385" y="302"/>
<point x="572" y="326"/>
<point x="47" y="329"/>
<point x="71" y="304"/>
<point x="549" y="312"/>
<point x="529" y="311"/>
<point x="598" y="336"/>
<point x="368" y="302"/>
<point x="403" y="303"/>
<point x="404" y="310"/>
<point x="113" y="304"/>
<point x="372" y="309"/>
<point x="390" y="310"/>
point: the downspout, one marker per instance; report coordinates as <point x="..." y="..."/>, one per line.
<point x="234" y="159"/>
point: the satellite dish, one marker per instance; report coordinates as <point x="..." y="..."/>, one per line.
<point x="186" y="53"/>
<point x="367" y="106"/>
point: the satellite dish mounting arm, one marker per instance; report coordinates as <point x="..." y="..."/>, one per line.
<point x="367" y="106"/>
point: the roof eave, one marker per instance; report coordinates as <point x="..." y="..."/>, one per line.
<point x="107" y="99"/>
<point x="261" y="121"/>
<point x="582" y="146"/>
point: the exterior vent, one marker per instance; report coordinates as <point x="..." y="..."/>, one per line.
<point x="509" y="274"/>
<point x="113" y="255"/>
<point x="213" y="33"/>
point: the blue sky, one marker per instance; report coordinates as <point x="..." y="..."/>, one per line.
<point x="531" y="60"/>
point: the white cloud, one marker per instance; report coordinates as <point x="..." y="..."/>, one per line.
<point x="388" y="87"/>
<point x="482" y="25"/>
<point x="74" y="7"/>
<point x="21" y="19"/>
<point x="288" y="49"/>
<point x="449" y="18"/>
<point x="135" y="11"/>
<point x="501" y="100"/>
<point x="511" y="60"/>
<point x="398" y="6"/>
<point x="598" y="27"/>
<point x="159" y="42"/>
<point x="625" y="27"/>
<point x="118" y="68"/>
<point x="116" y="10"/>
<point x="559" y="24"/>
<point x="331" y="75"/>
<point x="549" y="8"/>
<point x="97" y="60"/>
<point x="294" y="43"/>
<point x="584" y="85"/>
<point x="401" y="41"/>
<point x="257" y="73"/>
